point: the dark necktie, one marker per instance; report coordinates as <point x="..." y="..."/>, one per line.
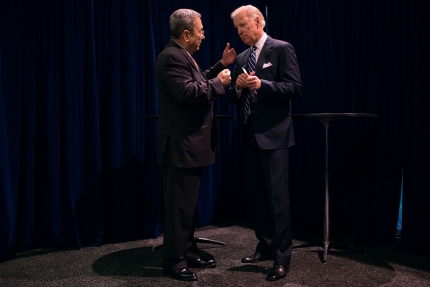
<point x="251" y="67"/>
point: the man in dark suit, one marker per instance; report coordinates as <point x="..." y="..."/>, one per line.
<point x="185" y="141"/>
<point x="270" y="83"/>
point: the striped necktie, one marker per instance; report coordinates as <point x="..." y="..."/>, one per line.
<point x="251" y="67"/>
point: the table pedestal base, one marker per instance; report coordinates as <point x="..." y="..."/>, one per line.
<point x="326" y="119"/>
<point x="327" y="246"/>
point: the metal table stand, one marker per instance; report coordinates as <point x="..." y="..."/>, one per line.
<point x="326" y="119"/>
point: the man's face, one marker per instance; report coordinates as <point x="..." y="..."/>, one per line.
<point x="197" y="35"/>
<point x="246" y="28"/>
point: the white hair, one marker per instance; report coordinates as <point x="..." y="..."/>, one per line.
<point x="252" y="12"/>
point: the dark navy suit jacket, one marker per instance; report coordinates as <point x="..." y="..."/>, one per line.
<point x="278" y="70"/>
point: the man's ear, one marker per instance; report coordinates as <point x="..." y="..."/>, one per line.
<point x="258" y="21"/>
<point x="186" y="35"/>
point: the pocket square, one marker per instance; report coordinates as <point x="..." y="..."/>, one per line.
<point x="265" y="65"/>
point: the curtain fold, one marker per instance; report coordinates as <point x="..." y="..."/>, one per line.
<point x="415" y="44"/>
<point x="77" y="155"/>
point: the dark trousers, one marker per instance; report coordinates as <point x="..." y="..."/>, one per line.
<point x="266" y="184"/>
<point x="180" y="190"/>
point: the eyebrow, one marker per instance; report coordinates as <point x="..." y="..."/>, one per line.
<point x="240" y="24"/>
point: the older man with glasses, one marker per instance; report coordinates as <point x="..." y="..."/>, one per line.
<point x="185" y="140"/>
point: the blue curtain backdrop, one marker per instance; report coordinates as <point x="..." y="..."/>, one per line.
<point x="77" y="165"/>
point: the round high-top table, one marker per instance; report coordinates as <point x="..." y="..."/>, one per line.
<point x="326" y="119"/>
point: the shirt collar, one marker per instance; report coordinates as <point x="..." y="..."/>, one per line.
<point x="261" y="41"/>
<point x="182" y="48"/>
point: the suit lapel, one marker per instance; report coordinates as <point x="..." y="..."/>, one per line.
<point x="194" y="64"/>
<point x="190" y="59"/>
<point x="265" y="54"/>
<point x="188" y="56"/>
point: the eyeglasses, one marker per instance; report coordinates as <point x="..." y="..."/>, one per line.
<point x="201" y="33"/>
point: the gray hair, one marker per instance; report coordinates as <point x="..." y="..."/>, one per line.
<point x="252" y="11"/>
<point x="180" y="20"/>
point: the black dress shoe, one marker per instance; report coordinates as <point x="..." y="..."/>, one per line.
<point x="201" y="263"/>
<point x="277" y="272"/>
<point x="256" y="257"/>
<point x="181" y="274"/>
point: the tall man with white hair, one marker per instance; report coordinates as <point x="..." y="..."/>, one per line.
<point x="265" y="79"/>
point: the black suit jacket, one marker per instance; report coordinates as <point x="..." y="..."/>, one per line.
<point x="278" y="70"/>
<point x="185" y="95"/>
